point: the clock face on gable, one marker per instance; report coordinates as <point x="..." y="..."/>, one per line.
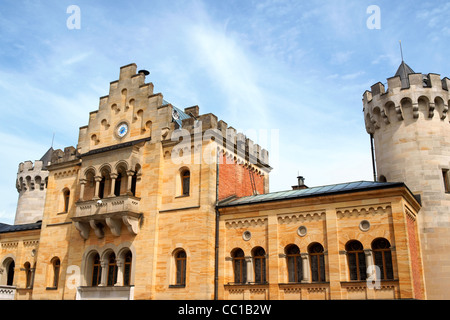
<point x="122" y="130"/>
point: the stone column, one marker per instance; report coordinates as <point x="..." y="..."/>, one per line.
<point x="250" y="273"/>
<point x="97" y="187"/>
<point x="305" y="267"/>
<point x="120" y="264"/>
<point x="104" y="277"/>
<point x="113" y="184"/>
<point x="130" y="175"/>
<point x="369" y="259"/>
<point x="82" y="186"/>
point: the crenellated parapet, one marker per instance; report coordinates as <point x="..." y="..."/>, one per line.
<point x="31" y="176"/>
<point x="412" y="96"/>
<point x="59" y="156"/>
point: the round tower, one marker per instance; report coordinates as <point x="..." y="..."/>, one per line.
<point x="411" y="133"/>
<point x="31" y="183"/>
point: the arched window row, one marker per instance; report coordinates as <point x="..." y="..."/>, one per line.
<point x="109" y="269"/>
<point x="359" y="259"/>
<point x="310" y="266"/>
<point x="108" y="182"/>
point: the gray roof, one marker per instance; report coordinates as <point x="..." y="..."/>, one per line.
<point x="6" y="228"/>
<point x="403" y="71"/>
<point x="47" y="157"/>
<point x="181" y="114"/>
<point x="310" y="192"/>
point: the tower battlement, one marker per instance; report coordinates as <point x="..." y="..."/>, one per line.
<point x="31" y="176"/>
<point x="31" y="183"/>
<point x="407" y="96"/>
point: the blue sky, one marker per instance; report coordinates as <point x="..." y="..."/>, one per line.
<point x="295" y="69"/>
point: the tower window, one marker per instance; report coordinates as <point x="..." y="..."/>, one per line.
<point x="66" y="200"/>
<point x="186" y="182"/>
<point x="445" y="173"/>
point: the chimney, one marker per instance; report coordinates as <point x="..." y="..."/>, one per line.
<point x="301" y="184"/>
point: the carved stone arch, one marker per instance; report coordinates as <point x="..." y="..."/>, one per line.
<point x="426" y="106"/>
<point x="87" y="264"/>
<point x="410" y="108"/>
<point x="90" y="170"/>
<point x="38" y="182"/>
<point x="5" y="266"/>
<point x="105" y="168"/>
<point x="390" y="112"/>
<point x="121" y="165"/>
<point x="107" y="250"/>
<point x="441" y="107"/>
<point x="376" y="117"/>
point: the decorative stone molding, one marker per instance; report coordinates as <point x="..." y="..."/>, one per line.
<point x="246" y="223"/>
<point x="363" y="211"/>
<point x="301" y="217"/>
<point x="10" y="245"/>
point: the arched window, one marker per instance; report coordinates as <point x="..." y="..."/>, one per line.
<point x="259" y="258"/>
<point x="356" y="260"/>
<point x="66" y="196"/>
<point x="10" y="273"/>
<point x="239" y="266"/>
<point x="133" y="183"/>
<point x="294" y="263"/>
<point x="96" y="271"/>
<point x="383" y="258"/>
<point x="180" y="265"/>
<point x="127" y="269"/>
<point x="186" y="182"/>
<point x="56" y="265"/>
<point x="118" y="184"/>
<point x="112" y="270"/>
<point x="28" y="274"/>
<point x="317" y="261"/>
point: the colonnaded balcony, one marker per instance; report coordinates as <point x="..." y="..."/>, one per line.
<point x="109" y="212"/>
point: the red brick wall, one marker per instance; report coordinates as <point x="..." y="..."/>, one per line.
<point x="414" y="253"/>
<point x="234" y="180"/>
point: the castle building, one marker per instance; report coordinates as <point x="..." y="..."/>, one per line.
<point x="410" y="128"/>
<point x="156" y="202"/>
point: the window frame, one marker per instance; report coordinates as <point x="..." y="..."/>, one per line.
<point x="186" y="183"/>
<point x="319" y="257"/>
<point x="238" y="259"/>
<point x="180" y="258"/>
<point x="385" y="268"/>
<point x="297" y="273"/>
<point x="259" y="271"/>
<point x="357" y="257"/>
